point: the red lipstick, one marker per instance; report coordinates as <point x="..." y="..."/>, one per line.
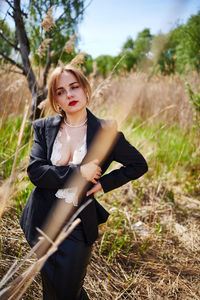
<point x="72" y="103"/>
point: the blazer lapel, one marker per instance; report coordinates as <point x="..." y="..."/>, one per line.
<point x="53" y="125"/>
<point x="93" y="125"/>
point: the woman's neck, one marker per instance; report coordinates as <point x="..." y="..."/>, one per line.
<point x="76" y="118"/>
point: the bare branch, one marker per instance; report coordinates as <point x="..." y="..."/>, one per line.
<point x="9" y="42"/>
<point x="39" y="11"/>
<point x="21" y="11"/>
<point x="11" y="70"/>
<point x="10" y="4"/>
<point x="12" y="62"/>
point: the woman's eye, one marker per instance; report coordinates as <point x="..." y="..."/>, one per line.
<point x="59" y="93"/>
<point x="75" y="87"/>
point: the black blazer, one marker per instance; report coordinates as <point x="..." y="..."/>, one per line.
<point x="48" y="178"/>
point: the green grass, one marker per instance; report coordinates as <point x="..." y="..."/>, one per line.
<point x="168" y="150"/>
<point x="171" y="153"/>
<point x="173" y="159"/>
<point x="9" y="133"/>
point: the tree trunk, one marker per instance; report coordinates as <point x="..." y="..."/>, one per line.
<point x="37" y="96"/>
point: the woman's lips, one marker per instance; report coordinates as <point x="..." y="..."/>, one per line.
<point x="72" y="103"/>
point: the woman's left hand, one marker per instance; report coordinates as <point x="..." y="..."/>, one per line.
<point x="96" y="188"/>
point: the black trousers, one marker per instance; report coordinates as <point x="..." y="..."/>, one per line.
<point x="64" y="271"/>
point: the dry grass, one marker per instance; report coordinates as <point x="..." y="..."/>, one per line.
<point x="159" y="261"/>
<point x="157" y="258"/>
<point x="13" y="93"/>
<point x="146" y="96"/>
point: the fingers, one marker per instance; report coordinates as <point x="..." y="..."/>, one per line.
<point x="99" y="169"/>
<point x="89" y="192"/>
<point x="93" y="181"/>
<point x="96" y="188"/>
<point x="91" y="171"/>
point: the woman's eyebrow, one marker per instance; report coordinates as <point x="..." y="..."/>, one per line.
<point x="61" y="87"/>
<point x="73" y="82"/>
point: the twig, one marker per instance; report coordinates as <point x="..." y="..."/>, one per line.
<point x="10" y="70"/>
<point x="12" y="61"/>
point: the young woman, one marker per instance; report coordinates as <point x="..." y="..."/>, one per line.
<point x="60" y="144"/>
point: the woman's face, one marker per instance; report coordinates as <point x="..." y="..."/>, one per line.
<point x="70" y="95"/>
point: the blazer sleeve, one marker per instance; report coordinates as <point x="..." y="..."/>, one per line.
<point x="40" y="170"/>
<point x="134" y="165"/>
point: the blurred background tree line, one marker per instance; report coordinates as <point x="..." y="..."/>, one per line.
<point x="175" y="52"/>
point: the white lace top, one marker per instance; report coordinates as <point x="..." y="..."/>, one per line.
<point x="68" y="194"/>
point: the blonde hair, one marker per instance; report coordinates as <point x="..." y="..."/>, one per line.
<point x="82" y="80"/>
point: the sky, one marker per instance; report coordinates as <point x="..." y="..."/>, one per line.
<point x="108" y="23"/>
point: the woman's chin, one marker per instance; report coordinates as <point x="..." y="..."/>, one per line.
<point x="74" y="109"/>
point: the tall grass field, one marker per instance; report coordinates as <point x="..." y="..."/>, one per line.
<point x="150" y="246"/>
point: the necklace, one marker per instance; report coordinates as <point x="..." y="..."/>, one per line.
<point x="75" y="125"/>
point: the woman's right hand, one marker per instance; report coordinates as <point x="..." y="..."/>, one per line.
<point x="91" y="171"/>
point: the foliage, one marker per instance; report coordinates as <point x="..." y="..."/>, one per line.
<point x="175" y="51"/>
<point x="143" y="44"/>
<point x="55" y="30"/>
<point x="163" y="50"/>
<point x="67" y="14"/>
<point x="195" y="101"/>
<point x="105" y="64"/>
<point x="133" y="53"/>
<point x="181" y="48"/>
<point x="188" y="50"/>
<point x="128" y="45"/>
<point x="6" y="48"/>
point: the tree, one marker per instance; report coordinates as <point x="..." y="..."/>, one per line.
<point x="8" y="44"/>
<point x="143" y="44"/>
<point x="29" y="35"/>
<point x="164" y="52"/>
<point x="136" y="52"/>
<point x="188" y="49"/>
<point x="181" y="51"/>
<point x="128" y="45"/>
<point x="105" y="64"/>
<point x="129" y="60"/>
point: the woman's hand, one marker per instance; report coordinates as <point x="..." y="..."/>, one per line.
<point x="91" y="171"/>
<point x="96" y="188"/>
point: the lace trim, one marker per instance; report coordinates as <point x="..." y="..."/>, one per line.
<point x="68" y="194"/>
<point x="56" y="153"/>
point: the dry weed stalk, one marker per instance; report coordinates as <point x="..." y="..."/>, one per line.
<point x="48" y="21"/>
<point x="43" y="47"/>
<point x="4" y="195"/>
<point x="79" y="59"/>
<point x="13" y="87"/>
<point x="105" y="83"/>
<point x="69" y="46"/>
<point x="16" y="288"/>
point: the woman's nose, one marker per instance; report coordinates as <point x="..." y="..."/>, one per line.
<point x="68" y="93"/>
